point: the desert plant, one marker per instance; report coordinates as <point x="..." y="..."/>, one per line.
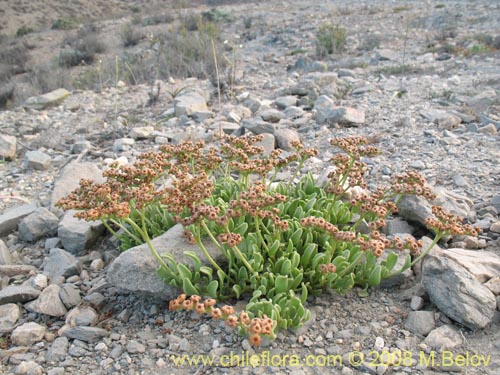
<point x="330" y="39"/>
<point x="281" y="242"/>
<point x="64" y="24"/>
<point x="24" y="30"/>
<point x="130" y="35"/>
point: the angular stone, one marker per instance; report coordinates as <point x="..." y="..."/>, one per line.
<point x="444" y="338"/>
<point x="285" y="138"/>
<point x="142" y="132"/>
<point x="16" y="269"/>
<point x="123" y="144"/>
<point x="489" y="129"/>
<point x="134" y="347"/>
<point x="225" y="126"/>
<point x="39" y="224"/>
<point x="11" y="218"/>
<point x="397" y="226"/>
<point x="189" y="103"/>
<point x="386" y="54"/>
<point x="58" y="350"/>
<point x="271" y="115"/>
<point x="28" y="334"/>
<point x="135" y="269"/>
<point x="268" y="142"/>
<point x="420" y="322"/>
<point x="484" y="265"/>
<point x="69" y="180"/>
<point x="257" y="126"/>
<point x="456" y="292"/>
<point x="36" y="160"/>
<point x="80" y="147"/>
<point x="49" y="99"/>
<point x="61" y="263"/>
<point x="78" y="235"/>
<point x="82" y="316"/>
<point x="493" y="285"/>
<point x="18" y="293"/>
<point x="87" y="334"/>
<point x="286" y="101"/>
<point x="5" y="257"/>
<point x="48" y="303"/>
<point x="328" y="112"/>
<point x="8" y="145"/>
<point x="70" y="295"/>
<point x="9" y="315"/>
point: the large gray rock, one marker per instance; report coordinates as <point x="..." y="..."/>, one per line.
<point x="58" y="350"/>
<point x="82" y="316"/>
<point x="10" y="219"/>
<point x="70" y="295"/>
<point x="271" y="115"/>
<point x="268" y="143"/>
<point x="87" y="334"/>
<point x="456" y="292"/>
<point x="417" y="209"/>
<point x="283" y="102"/>
<point x="257" y="126"/>
<point x="8" y="145"/>
<point x="5" y="257"/>
<point x="9" y="315"/>
<point x="18" y="293"/>
<point x="189" y="103"/>
<point x="48" y="303"/>
<point x="61" y="263"/>
<point x="443" y="119"/>
<point x="135" y="269"/>
<point x="49" y="99"/>
<point x="37" y="160"/>
<point x="78" y="235"/>
<point x="285" y="138"/>
<point x="484" y="265"/>
<point x="27" y="334"/>
<point x="328" y="112"/>
<point x="69" y="180"/>
<point x="39" y="224"/>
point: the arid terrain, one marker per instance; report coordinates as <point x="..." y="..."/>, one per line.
<point x="419" y="79"/>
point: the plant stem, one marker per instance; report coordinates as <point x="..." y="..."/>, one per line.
<point x="259" y="233"/>
<point x="214" y="240"/>
<point x="207" y="255"/>
<point x="129" y="233"/>
<point x="243" y="259"/>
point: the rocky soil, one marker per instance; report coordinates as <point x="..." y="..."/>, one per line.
<point x="66" y="309"/>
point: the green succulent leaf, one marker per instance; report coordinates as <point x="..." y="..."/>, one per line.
<point x="375" y="275"/>
<point x="189" y="288"/>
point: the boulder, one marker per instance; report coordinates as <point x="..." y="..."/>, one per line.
<point x="18" y="293"/>
<point x="456" y="291"/>
<point x="9" y="315"/>
<point x="8" y="145"/>
<point x="61" y="263"/>
<point x="69" y="180"/>
<point x="10" y="219"/>
<point x="189" y="103"/>
<point x="48" y="303"/>
<point x="40" y="223"/>
<point x="78" y="235"/>
<point x="37" y="160"/>
<point x="28" y="334"/>
<point x="49" y="99"/>
<point x="135" y="269"/>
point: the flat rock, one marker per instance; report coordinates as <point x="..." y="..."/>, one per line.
<point x="283" y="102"/>
<point x="18" y="293"/>
<point x="87" y="334"/>
<point x="484" y="265"/>
<point x="386" y="54"/>
<point x="9" y="315"/>
<point x="444" y="338"/>
<point x="420" y="322"/>
<point x="327" y="112"/>
<point x="48" y="303"/>
<point x="49" y="99"/>
<point x="272" y="115"/>
<point x="5" y="256"/>
<point x="188" y="103"/>
<point x="8" y="144"/>
<point x="58" y="350"/>
<point x="28" y="334"/>
<point x="457" y="292"/>
<point x="257" y="126"/>
<point x="141" y="132"/>
<point x="443" y="119"/>
<point x="285" y="137"/>
<point x="69" y="180"/>
<point x="268" y="143"/>
<point x="61" y="263"/>
<point x="38" y="224"/>
<point x="16" y="269"/>
<point x="70" y="295"/>
<point x="78" y="235"/>
<point x="10" y="219"/>
<point x="135" y="269"/>
<point x="37" y="160"/>
<point x="82" y="316"/>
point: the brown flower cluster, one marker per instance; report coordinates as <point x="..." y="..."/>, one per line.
<point x="258" y="201"/>
<point x="376" y="205"/>
<point x="376" y="243"/>
<point x="231" y="239"/>
<point x="256" y="327"/>
<point x="319" y="222"/>
<point x="412" y="183"/>
<point x="356" y="146"/>
<point x="444" y="222"/>
<point x="409" y="243"/>
<point x="327" y="268"/>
